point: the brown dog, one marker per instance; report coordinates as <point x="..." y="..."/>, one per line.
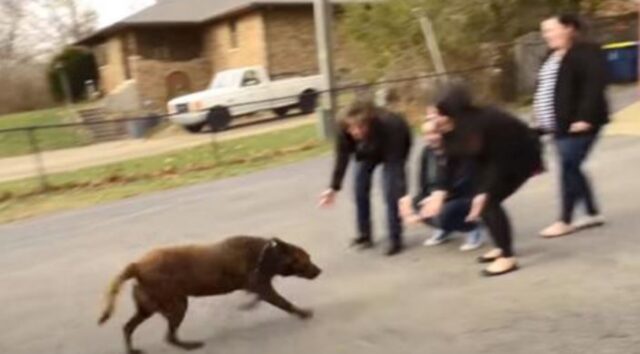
<point x="167" y="277"/>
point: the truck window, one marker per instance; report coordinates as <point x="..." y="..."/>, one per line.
<point x="250" y="79"/>
<point x="226" y="79"/>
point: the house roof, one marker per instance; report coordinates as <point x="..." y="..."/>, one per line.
<point x="190" y="12"/>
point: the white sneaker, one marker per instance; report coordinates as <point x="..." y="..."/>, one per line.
<point x="475" y="240"/>
<point x="589" y="222"/>
<point x="439" y="237"/>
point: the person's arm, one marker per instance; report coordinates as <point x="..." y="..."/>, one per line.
<point x="343" y="151"/>
<point x="439" y="192"/>
<point x="593" y="75"/>
<point x="423" y="177"/>
<point x="487" y="177"/>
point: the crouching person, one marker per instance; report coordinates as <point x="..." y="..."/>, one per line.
<point x="458" y="205"/>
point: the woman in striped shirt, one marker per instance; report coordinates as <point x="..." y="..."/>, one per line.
<point x="570" y="104"/>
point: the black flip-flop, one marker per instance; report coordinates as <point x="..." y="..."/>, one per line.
<point x="489" y="274"/>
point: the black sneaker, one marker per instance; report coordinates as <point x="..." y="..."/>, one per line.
<point x="395" y="249"/>
<point x="362" y="242"/>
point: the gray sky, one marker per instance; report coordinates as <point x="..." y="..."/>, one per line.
<point x="113" y="10"/>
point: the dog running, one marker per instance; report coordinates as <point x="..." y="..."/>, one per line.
<point x="166" y="278"/>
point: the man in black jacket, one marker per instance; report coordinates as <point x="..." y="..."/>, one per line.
<point x="374" y="136"/>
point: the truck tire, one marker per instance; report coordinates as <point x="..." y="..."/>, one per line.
<point x="219" y="119"/>
<point x="308" y="101"/>
<point x="194" y="128"/>
<point x="281" y="112"/>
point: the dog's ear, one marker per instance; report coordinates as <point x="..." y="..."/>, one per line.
<point x="280" y="245"/>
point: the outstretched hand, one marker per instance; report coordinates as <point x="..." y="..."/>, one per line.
<point x="407" y="212"/>
<point x="328" y="198"/>
<point x="432" y="206"/>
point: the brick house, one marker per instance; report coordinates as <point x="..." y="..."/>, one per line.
<point x="175" y="46"/>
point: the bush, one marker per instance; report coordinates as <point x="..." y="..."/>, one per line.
<point x="25" y="88"/>
<point x="79" y="66"/>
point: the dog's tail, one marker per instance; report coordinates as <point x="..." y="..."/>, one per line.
<point x="114" y="289"/>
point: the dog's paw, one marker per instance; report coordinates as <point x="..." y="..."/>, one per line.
<point x="192" y="345"/>
<point x="249" y="306"/>
<point x="305" y="314"/>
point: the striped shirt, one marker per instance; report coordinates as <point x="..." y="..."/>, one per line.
<point x="544" y="100"/>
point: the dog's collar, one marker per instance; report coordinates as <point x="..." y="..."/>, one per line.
<point x="271" y="244"/>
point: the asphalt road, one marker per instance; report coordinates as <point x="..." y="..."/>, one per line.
<point x="573" y="295"/>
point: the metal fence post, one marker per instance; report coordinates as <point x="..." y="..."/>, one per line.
<point x="215" y="146"/>
<point x="37" y="154"/>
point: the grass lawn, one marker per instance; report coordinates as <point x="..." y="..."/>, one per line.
<point x="17" y="143"/>
<point x="91" y="186"/>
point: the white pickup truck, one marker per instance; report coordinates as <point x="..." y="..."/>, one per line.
<point x="243" y="91"/>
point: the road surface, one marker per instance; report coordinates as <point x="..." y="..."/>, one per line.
<point x="573" y="295"/>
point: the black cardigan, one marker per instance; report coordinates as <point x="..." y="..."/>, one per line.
<point x="581" y="88"/>
<point x="389" y="140"/>
<point x="499" y="144"/>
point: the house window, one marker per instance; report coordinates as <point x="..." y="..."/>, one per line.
<point x="233" y="34"/>
<point x="169" y="44"/>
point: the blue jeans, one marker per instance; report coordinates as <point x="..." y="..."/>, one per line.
<point x="453" y="217"/>
<point x="394" y="186"/>
<point x="575" y="186"/>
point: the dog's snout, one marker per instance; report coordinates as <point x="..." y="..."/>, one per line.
<point x="314" y="272"/>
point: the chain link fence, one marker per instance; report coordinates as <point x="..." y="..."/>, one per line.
<point x="93" y="153"/>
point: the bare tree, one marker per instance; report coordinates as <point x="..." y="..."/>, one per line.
<point x="11" y="19"/>
<point x="62" y="21"/>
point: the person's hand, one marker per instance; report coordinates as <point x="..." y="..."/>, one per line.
<point x="477" y="208"/>
<point x="328" y="198"/>
<point x="405" y="206"/>
<point x="580" y="127"/>
<point x="432" y="206"/>
<point x="407" y="212"/>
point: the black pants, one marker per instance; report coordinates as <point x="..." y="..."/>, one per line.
<point x="575" y="186"/>
<point x="495" y="217"/>
<point x="394" y="186"/>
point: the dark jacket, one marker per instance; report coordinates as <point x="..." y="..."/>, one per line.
<point x="432" y="164"/>
<point x="581" y="88"/>
<point x="389" y="140"/>
<point x="501" y="146"/>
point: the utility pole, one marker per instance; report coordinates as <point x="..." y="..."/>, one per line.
<point x="432" y="43"/>
<point x="323" y="11"/>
